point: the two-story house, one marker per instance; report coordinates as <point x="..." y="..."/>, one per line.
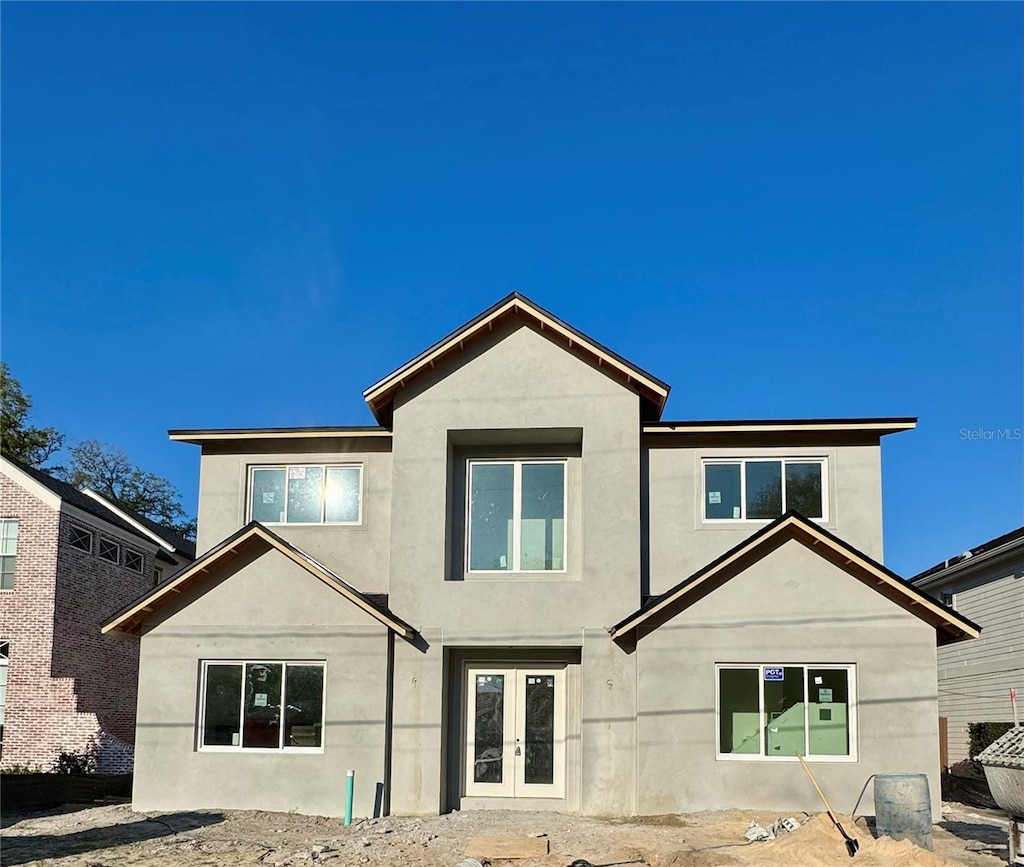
<point x="67" y="558"/>
<point x="523" y="588"/>
<point x="985" y="583"/>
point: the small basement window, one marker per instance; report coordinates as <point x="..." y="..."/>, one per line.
<point x="769" y="712"/>
<point x="134" y="560"/>
<point x="760" y="489"/>
<point x="80" y="539"/>
<point x="109" y="550"/>
<point x="262" y="706"/>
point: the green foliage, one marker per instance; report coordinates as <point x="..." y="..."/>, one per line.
<point x="982" y="734"/>
<point x="108" y="471"/>
<point x="18" y="439"/>
<point x="21" y="769"/>
<point x="75" y="762"/>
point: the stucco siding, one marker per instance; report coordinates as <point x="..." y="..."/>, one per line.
<point x="681" y="542"/>
<point x="263" y="608"/>
<point x="791" y="607"/>
<point x="359" y="553"/>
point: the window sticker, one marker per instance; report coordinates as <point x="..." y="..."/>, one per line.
<point x="714" y="497"/>
<point x="268" y="497"/>
<point x="735" y="511"/>
<point x="818" y="681"/>
<point x="296" y="472"/>
<point x="261" y="699"/>
<point x="824" y="695"/>
<point x="774" y="674"/>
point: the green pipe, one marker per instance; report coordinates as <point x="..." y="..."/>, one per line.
<point x="350" y="787"/>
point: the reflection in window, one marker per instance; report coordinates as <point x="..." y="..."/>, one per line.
<point x="306" y="494"/>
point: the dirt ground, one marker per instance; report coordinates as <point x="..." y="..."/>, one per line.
<point x="114" y="836"/>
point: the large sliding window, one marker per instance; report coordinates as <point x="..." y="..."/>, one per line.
<point x="306" y="494"/>
<point x="515" y="516"/>
<point x="761" y="489"/>
<point x="773" y="711"/>
<point x="262" y="706"/>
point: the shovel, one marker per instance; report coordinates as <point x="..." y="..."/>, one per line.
<point x="851" y="845"/>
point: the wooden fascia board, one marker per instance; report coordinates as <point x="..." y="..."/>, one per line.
<point x="199" y="437"/>
<point x="772" y="427"/>
<point x="842" y="556"/>
<point x="376" y="394"/>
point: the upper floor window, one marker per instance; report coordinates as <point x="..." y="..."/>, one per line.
<point x="516" y="516"/>
<point x="80" y="539"/>
<point x="8" y="551"/>
<point x="134" y="560"/>
<point x="306" y="494"/>
<point x="109" y="550"/>
<point x="761" y="489"/>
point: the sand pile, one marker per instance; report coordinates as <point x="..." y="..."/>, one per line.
<point x="818" y="844"/>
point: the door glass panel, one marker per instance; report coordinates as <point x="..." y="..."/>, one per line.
<point x="543" y="517"/>
<point x="489" y="728"/>
<point x="539" y="755"/>
<point x="261" y="724"/>
<point x="490" y="517"/>
<point x="784" y="713"/>
<point x="764" y="489"/>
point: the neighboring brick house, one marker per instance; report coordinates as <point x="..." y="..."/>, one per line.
<point x="68" y="558"/>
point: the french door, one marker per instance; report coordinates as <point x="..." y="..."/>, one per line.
<point x="515" y="731"/>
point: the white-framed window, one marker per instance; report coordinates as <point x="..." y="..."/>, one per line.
<point x="515" y="515"/>
<point x="261" y="705"/>
<point x="948" y="598"/>
<point x="306" y="494"/>
<point x="109" y="550"/>
<point x="80" y="538"/>
<point x="762" y="489"/>
<point x="769" y="712"/>
<point x="8" y="551"/>
<point x="134" y="560"/>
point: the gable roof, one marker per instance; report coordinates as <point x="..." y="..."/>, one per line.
<point x="949" y="625"/>
<point x="983" y="553"/>
<point x="131" y="618"/>
<point x="71" y="495"/>
<point x="653" y="392"/>
<point x="168" y="539"/>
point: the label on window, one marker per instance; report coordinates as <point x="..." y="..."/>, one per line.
<point x="775" y="674"/>
<point x="234" y="739"/>
<point x="714" y="497"/>
<point x="296" y="472"/>
<point x="261" y="699"/>
<point x="268" y="497"/>
<point x="824" y="695"/>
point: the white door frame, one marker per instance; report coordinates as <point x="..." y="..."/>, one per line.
<point x="514" y="729"/>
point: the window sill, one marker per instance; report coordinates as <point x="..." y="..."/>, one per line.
<point x="746" y="523"/>
<point x="264" y="751"/>
<point x="520" y="576"/>
<point x="839" y="760"/>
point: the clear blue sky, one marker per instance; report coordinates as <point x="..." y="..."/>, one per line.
<point x="242" y="215"/>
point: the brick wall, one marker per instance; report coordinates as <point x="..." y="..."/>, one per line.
<point x="69" y="687"/>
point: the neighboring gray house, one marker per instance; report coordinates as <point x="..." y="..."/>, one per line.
<point x="985" y="584"/>
<point x="525" y="589"/>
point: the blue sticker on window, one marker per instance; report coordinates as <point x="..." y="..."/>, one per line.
<point x="775" y="674"/>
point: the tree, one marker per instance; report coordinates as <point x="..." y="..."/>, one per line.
<point x="109" y="472"/>
<point x="19" y="440"/>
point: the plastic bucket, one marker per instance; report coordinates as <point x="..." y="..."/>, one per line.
<point x="903" y="808"/>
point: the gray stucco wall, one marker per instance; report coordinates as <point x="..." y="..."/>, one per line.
<point x="266" y="608"/>
<point x="791" y="607"/>
<point x="681" y="543"/>
<point x="516" y="381"/>
<point x="357" y="553"/>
